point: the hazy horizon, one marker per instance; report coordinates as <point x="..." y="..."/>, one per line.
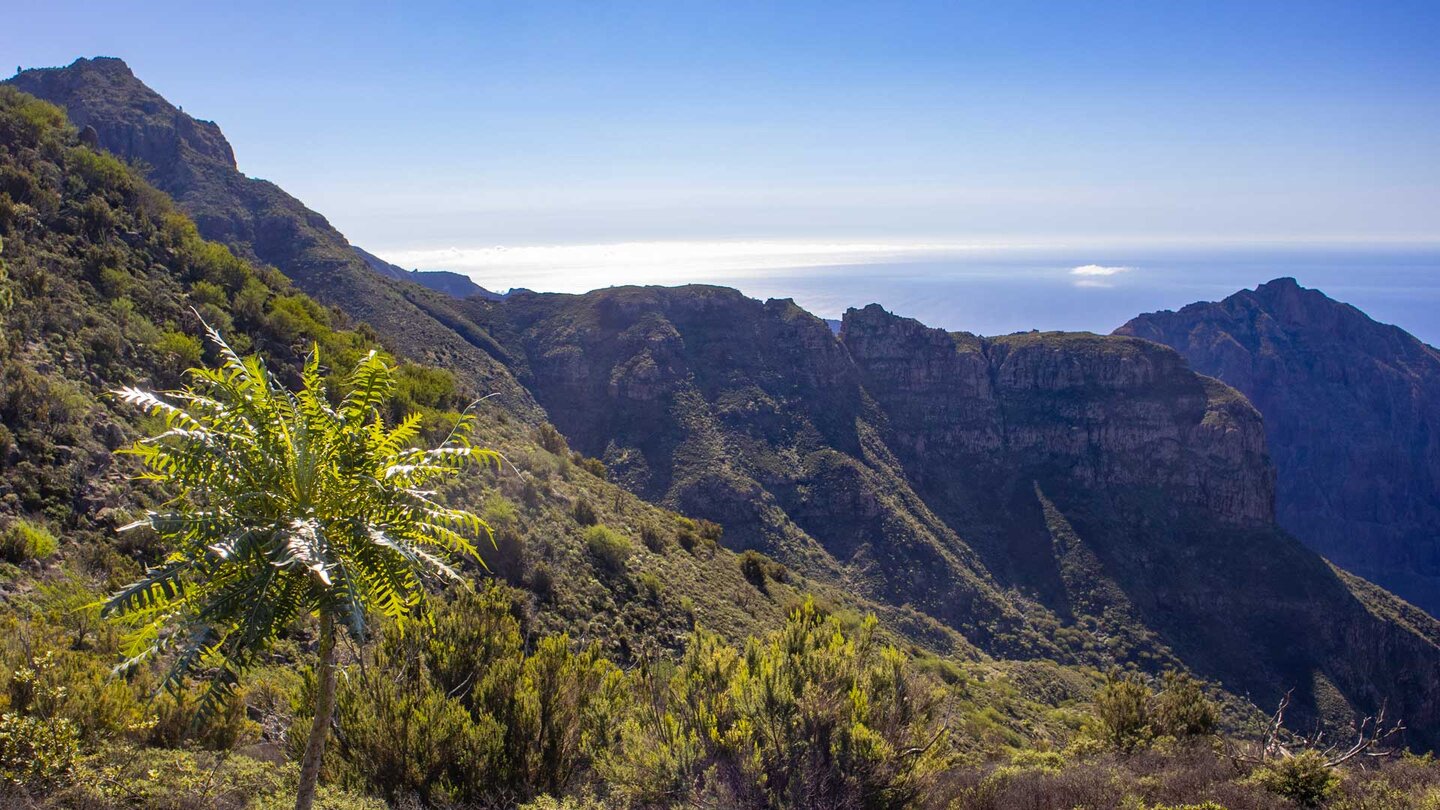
<point x="986" y="289"/>
<point x="939" y="157"/>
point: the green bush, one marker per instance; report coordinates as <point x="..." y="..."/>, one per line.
<point x="652" y="539"/>
<point x="458" y="713"/>
<point x="27" y="540"/>
<point x="752" y="567"/>
<point x="1181" y="708"/>
<point x="1303" y="778"/>
<point x="180" y="353"/>
<point x="610" y="548"/>
<point x="584" y="512"/>
<point x="687" y="537"/>
<point x="550" y="439"/>
<point x="1122" y="717"/>
<point x="651" y="585"/>
<point x="36" y="749"/>
<point x="812" y="715"/>
<point x="594" y="466"/>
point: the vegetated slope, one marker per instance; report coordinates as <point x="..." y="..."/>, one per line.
<point x="1352" y="416"/>
<point x="191" y="160"/>
<point x="1076" y="497"/>
<point x="107" y="282"/>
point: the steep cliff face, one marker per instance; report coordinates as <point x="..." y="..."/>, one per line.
<point x="1092" y="411"/>
<point x="751" y="414"/>
<point x="191" y="161"/>
<point x="1352" y="413"/>
<point x="1078" y="497"/>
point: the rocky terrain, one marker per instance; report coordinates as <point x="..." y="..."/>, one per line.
<point x="1352" y="416"/>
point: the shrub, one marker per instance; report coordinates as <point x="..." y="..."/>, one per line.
<point x="27" y="540"/>
<point x="752" y="566"/>
<point x="35" y="749"/>
<point x="550" y="439"/>
<point x="567" y="803"/>
<point x="584" y="512"/>
<point x="812" y="715"/>
<point x="610" y="548"/>
<point x="180" y="351"/>
<point x="710" y="530"/>
<point x="458" y="713"/>
<point x="1121" y="712"/>
<point x="652" y="585"/>
<point x="594" y="466"/>
<point x="652" y="539"/>
<point x="542" y="582"/>
<point x="1303" y="778"/>
<point x="1181" y="708"/>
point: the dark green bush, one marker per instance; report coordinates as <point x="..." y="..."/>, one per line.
<point x="1181" y="708"/>
<point x="584" y="512"/>
<point x="652" y="539"/>
<point x="594" y="466"/>
<point x="550" y="439"/>
<point x="1122" y="717"/>
<point x="752" y="566"/>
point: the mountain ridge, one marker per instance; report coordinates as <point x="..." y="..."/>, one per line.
<point x="1352" y="410"/>
<point x="193" y="162"/>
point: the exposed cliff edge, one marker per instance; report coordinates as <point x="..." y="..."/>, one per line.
<point x="1352" y="413"/>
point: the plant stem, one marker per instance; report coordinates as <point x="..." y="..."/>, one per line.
<point x="324" y="708"/>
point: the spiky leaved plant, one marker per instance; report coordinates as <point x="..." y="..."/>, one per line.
<point x="287" y="506"/>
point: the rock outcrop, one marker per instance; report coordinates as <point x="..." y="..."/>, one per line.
<point x="1352" y="414"/>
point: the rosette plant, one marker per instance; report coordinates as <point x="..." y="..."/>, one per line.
<point x="287" y="506"/>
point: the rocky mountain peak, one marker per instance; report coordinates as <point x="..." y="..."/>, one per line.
<point x="1352" y="415"/>
<point x="130" y="118"/>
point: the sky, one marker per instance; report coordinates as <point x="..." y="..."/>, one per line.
<point x="1089" y="156"/>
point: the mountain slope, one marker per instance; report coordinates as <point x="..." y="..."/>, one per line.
<point x="1076" y="497"/>
<point x="192" y="161"/>
<point x="1352" y="416"/>
<point x="106" y="279"/>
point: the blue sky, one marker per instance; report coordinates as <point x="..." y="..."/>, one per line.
<point x="660" y="141"/>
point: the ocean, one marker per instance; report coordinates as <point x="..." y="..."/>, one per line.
<point x="996" y="294"/>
